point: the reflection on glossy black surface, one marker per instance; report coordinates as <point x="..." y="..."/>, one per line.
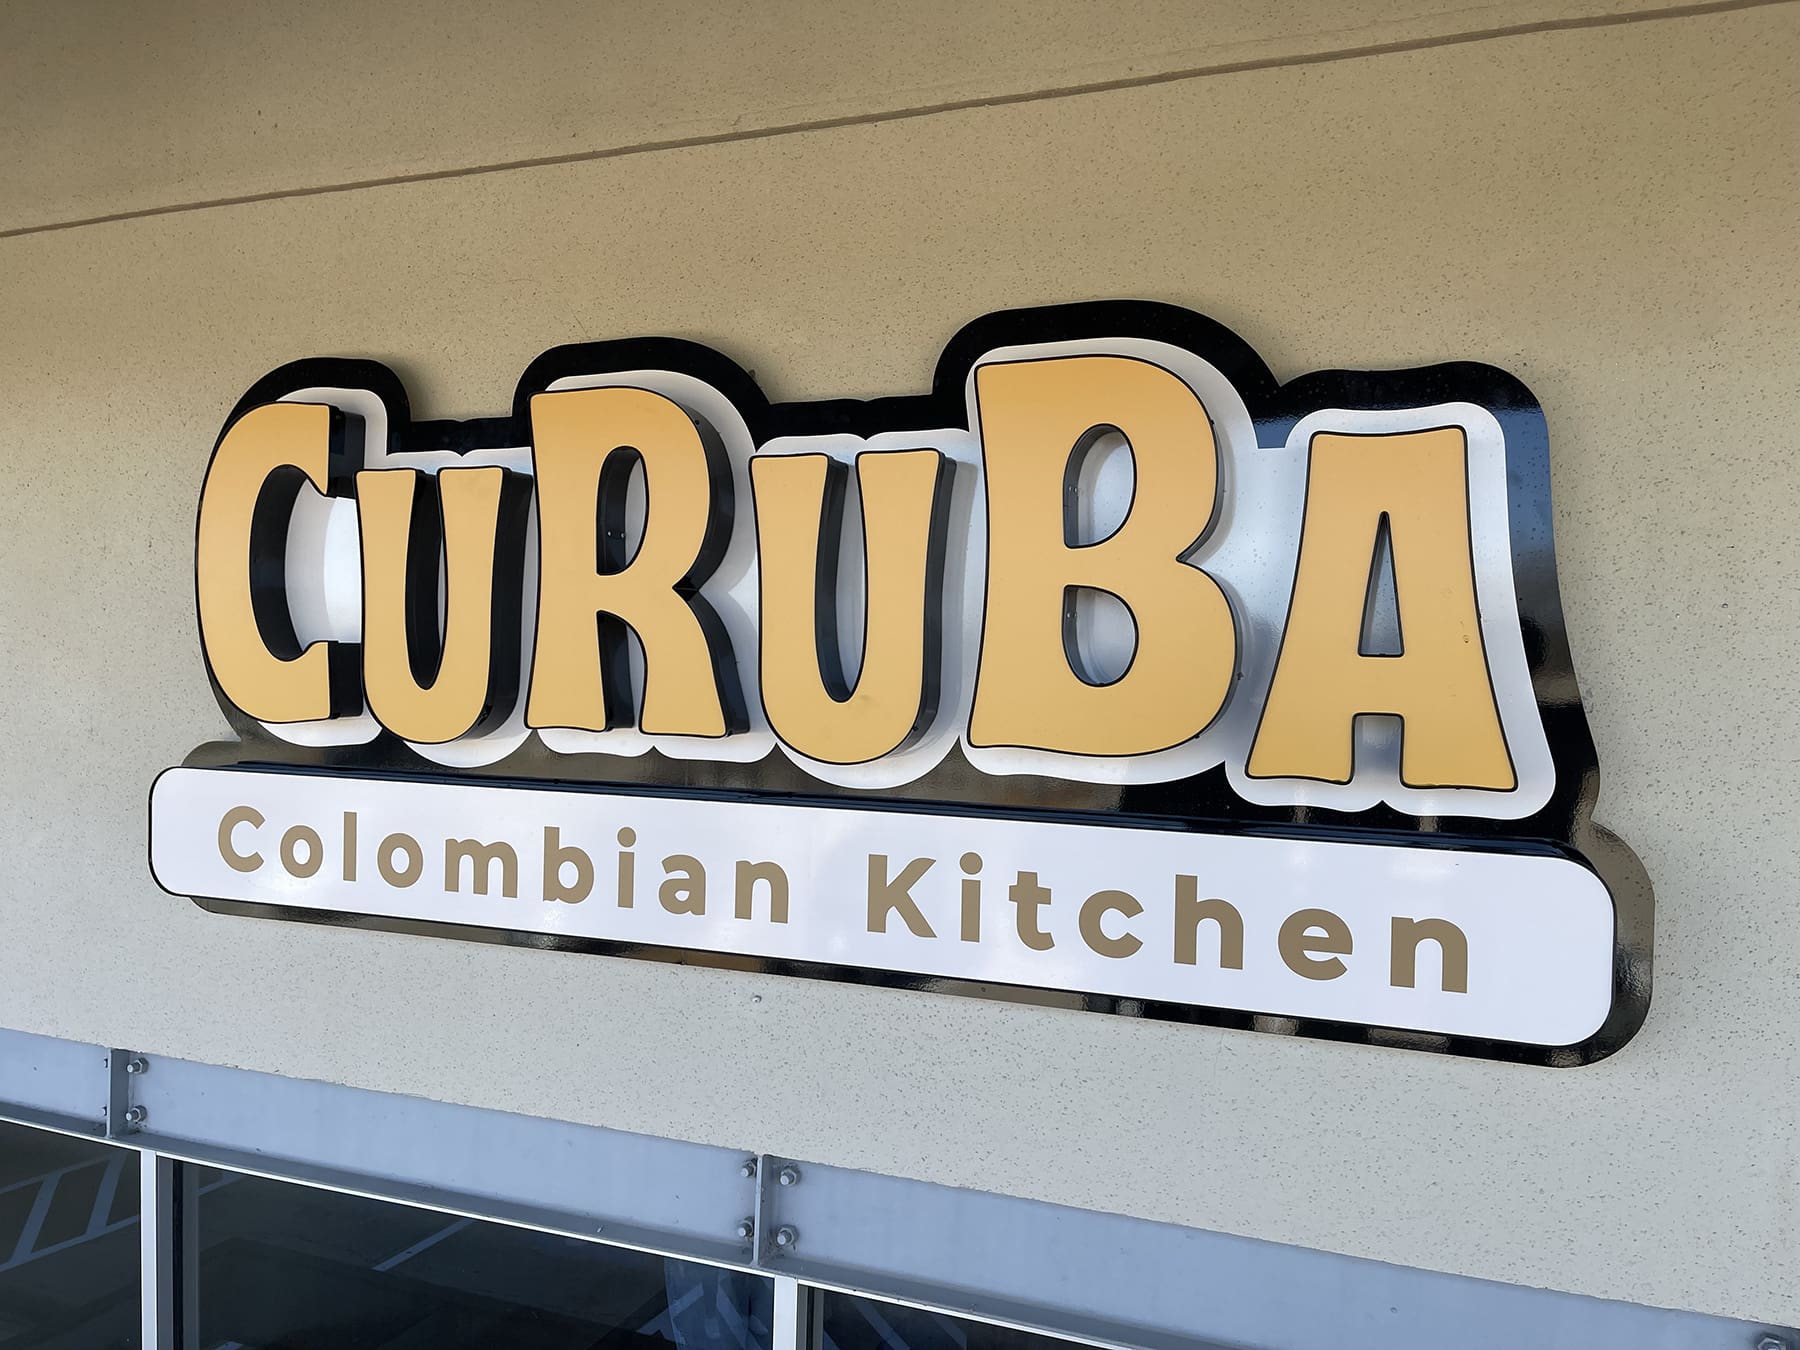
<point x="1205" y="802"/>
<point x="868" y="1324"/>
<point x="68" y="1243"/>
<point x="286" y="1267"/>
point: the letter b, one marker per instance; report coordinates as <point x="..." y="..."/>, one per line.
<point x="557" y="855"/>
<point x="1036" y="417"/>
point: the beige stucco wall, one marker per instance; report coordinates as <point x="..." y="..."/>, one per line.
<point x="1608" y="211"/>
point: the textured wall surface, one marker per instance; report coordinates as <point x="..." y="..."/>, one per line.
<point x="112" y="106"/>
<point x="1606" y="210"/>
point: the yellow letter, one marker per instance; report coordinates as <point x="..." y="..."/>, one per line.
<point x="419" y="688"/>
<point x="240" y="547"/>
<point x="584" y="443"/>
<point x="1418" y="483"/>
<point x="799" y="511"/>
<point x="1035" y="416"/>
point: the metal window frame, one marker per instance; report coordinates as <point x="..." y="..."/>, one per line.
<point x="1102" y="1279"/>
<point x="168" y="1286"/>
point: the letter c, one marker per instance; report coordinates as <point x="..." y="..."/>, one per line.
<point x="1093" y="915"/>
<point x="247" y="631"/>
<point x="239" y="815"/>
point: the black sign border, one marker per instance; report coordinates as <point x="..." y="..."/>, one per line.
<point x="1205" y="802"/>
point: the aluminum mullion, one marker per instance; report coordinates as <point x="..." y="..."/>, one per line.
<point x="167" y="1246"/>
<point x="789" y="1319"/>
<point x="156" y="1248"/>
<point x="799" y="1321"/>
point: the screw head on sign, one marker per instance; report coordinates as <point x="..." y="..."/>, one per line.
<point x="137" y="1064"/>
<point x="746" y="1229"/>
<point x="786" y="1237"/>
<point x="747" y="1168"/>
<point x="789" y="1175"/>
<point x="136" y="1115"/>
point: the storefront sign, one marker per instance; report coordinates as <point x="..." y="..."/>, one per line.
<point x="1110" y="670"/>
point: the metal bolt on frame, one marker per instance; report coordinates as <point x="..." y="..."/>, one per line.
<point x="786" y="1237"/>
<point x="135" y="1116"/>
<point x="746" y="1229"/>
<point x="789" y="1175"/>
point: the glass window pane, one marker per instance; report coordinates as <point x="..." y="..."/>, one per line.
<point x="69" y="1252"/>
<point x="288" y="1267"/>
<point x="853" y="1323"/>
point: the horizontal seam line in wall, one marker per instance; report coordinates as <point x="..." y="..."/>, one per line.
<point x="905" y="114"/>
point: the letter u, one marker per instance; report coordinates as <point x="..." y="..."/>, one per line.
<point x="419" y="687"/>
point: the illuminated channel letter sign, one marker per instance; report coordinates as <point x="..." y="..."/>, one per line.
<point x="1110" y="673"/>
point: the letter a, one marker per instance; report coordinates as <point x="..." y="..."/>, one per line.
<point x="1418" y="484"/>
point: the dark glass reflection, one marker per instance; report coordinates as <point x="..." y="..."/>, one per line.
<point x="286" y="1267"/>
<point x="852" y="1323"/>
<point x="69" y="1251"/>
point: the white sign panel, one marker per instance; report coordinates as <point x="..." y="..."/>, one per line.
<point x="1498" y="946"/>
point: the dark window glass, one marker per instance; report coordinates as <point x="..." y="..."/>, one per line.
<point x="69" y="1251"/>
<point x="852" y="1323"/>
<point x="287" y="1267"/>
